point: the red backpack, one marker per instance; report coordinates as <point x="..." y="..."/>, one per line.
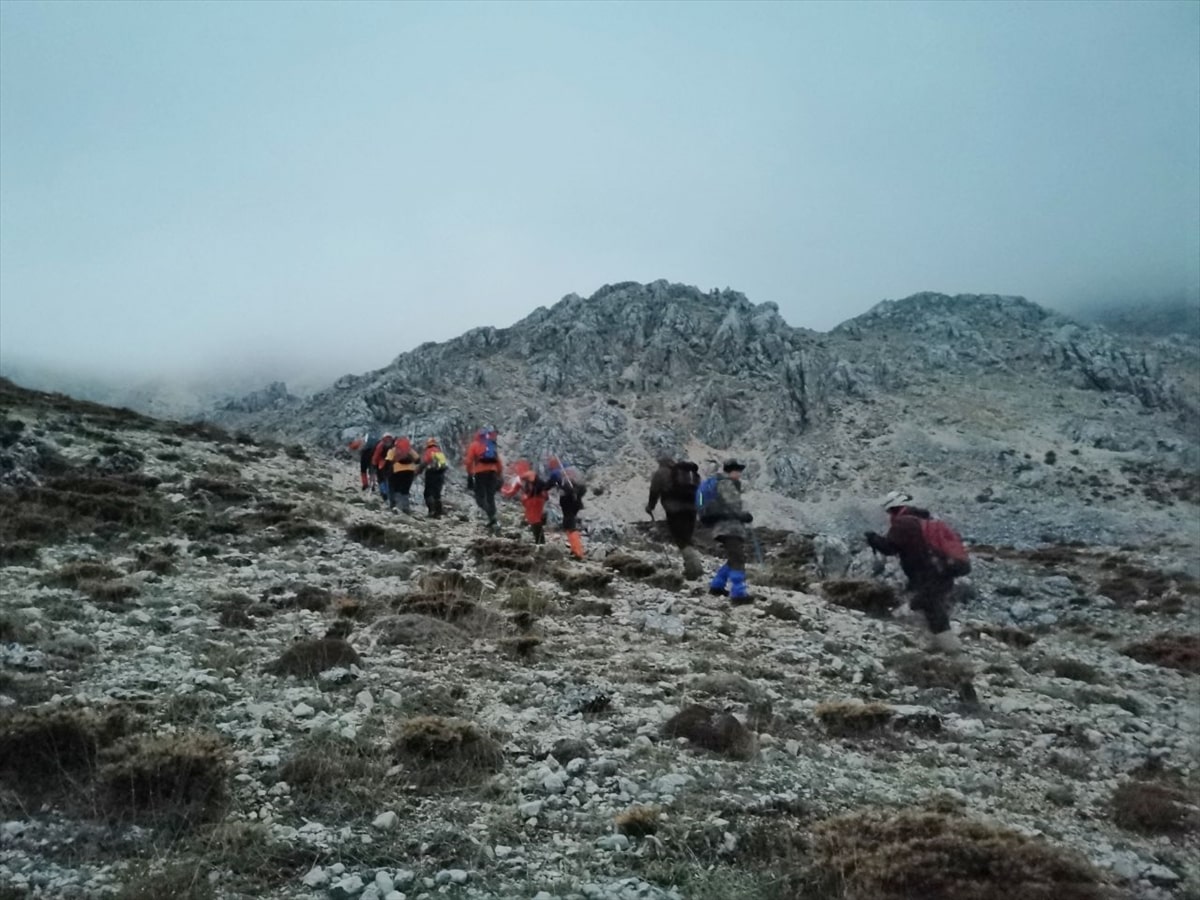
<point x="946" y="546"/>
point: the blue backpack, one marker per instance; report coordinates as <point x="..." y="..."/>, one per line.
<point x="707" y="501"/>
<point x="490" y="453"/>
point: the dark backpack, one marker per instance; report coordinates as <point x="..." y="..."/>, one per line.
<point x="684" y="482"/>
<point x="946" y="547"/>
<point x="490" y="453"/>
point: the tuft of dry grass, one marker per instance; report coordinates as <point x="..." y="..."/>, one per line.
<point x="869" y="597"/>
<point x="848" y="719"/>
<point x="109" y="593"/>
<point x="888" y="855"/>
<point x="377" y="537"/>
<point x="1005" y="634"/>
<point x="1153" y="808"/>
<point x="446" y="750"/>
<point x="309" y="658"/>
<point x="718" y="732"/>
<point x="637" y="821"/>
<point x="47" y="750"/>
<point x="174" y="780"/>
<point x="229" y="491"/>
<point x="629" y="565"/>
<point x="74" y="574"/>
<point x="335" y="778"/>
<point x="929" y="670"/>
<point x="1172" y="650"/>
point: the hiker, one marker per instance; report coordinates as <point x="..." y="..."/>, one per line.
<point x="379" y="463"/>
<point x="571" y="488"/>
<point x="534" y="494"/>
<point x="366" y="470"/>
<point x="719" y="499"/>
<point x="931" y="555"/>
<point x="674" y="485"/>
<point x="403" y="461"/>
<point x="484" y="468"/>
<point x="433" y="466"/>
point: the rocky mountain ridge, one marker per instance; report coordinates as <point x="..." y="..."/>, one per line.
<point x="981" y="388"/>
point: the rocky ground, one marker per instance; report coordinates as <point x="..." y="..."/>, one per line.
<point x="226" y="672"/>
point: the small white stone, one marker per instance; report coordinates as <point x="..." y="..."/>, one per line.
<point x="384" y="883"/>
<point x="576" y="767"/>
<point x="458" y="876"/>
<point x="613" y="842"/>
<point x="336" y="868"/>
<point x="393" y="699"/>
<point x="316" y="877"/>
<point x="554" y="783"/>
<point x="302" y="711"/>
<point x="503" y="852"/>
<point x="395" y="895"/>
<point x="365" y="700"/>
<point x="385" y="821"/>
<point x="531" y="809"/>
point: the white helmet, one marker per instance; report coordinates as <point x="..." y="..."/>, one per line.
<point x="897" y="498"/>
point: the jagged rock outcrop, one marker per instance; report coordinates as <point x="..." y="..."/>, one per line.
<point x="951" y="389"/>
<point x="273" y="396"/>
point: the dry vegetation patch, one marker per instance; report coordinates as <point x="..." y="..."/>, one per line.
<point x="336" y="778"/>
<point x="1172" y="650"/>
<point x="1151" y="807"/>
<point x="886" y="855"/>
<point x="46" y="751"/>
<point x="173" y="780"/>
<point x="850" y="719"/>
<point x="869" y="597"/>
<point x="309" y="658"/>
<point x="637" y="821"/>
<point x="446" y="751"/>
<point x="719" y="732"/>
<point x="929" y="670"/>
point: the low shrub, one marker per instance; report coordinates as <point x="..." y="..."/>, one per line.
<point x="887" y="855"/>
<point x="309" y="658"/>
<point x="175" y="780"/>
<point x="845" y="719"/>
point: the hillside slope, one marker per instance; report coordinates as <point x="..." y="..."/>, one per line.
<point x="489" y="720"/>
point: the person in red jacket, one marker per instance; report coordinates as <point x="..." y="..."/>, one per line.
<point x="930" y="583"/>
<point x="534" y="494"/>
<point x="379" y="462"/>
<point x="484" y="469"/>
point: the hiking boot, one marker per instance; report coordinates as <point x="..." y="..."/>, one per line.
<point x="744" y="600"/>
<point x="718" y="591"/>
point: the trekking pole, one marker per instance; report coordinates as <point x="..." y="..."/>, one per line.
<point x="758" y="554"/>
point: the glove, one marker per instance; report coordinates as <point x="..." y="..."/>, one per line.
<point x="470" y="482"/>
<point x="747" y="518"/>
<point x="873" y="539"/>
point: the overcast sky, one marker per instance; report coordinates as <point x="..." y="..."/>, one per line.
<point x="327" y="185"/>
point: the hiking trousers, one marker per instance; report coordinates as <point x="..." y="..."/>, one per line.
<point x="435" y="480"/>
<point x="931" y="597"/>
<point x="486" y="485"/>
<point x="733" y="572"/>
<point x="399" y="485"/>
<point x="570" y="504"/>
<point x="682" y="525"/>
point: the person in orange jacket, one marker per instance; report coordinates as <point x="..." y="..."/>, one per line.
<point x="534" y="494"/>
<point x="484" y="468"/>
<point x="402" y="460"/>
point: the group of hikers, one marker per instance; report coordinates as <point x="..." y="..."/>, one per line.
<point x="391" y="466"/>
<point x="931" y="554"/>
